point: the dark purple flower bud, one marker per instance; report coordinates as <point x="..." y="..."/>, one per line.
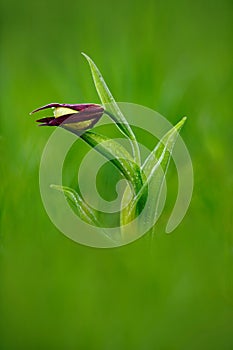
<point x="74" y="117"/>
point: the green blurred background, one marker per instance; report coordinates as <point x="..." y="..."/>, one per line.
<point x="174" y="293"/>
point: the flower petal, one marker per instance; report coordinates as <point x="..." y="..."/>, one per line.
<point x="60" y="111"/>
<point x="44" y="120"/>
<point x="76" y="107"/>
<point x="83" y="120"/>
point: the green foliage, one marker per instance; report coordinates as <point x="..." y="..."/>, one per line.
<point x="112" y="108"/>
<point x="117" y="154"/>
<point x="84" y="211"/>
<point x="176" y="292"/>
<point x="154" y="168"/>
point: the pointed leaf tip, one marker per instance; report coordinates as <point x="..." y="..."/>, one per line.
<point x="181" y="122"/>
<point x="157" y="160"/>
<point x="112" y="107"/>
<point x="84" y="54"/>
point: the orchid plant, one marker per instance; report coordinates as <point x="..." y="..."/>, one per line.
<point x="80" y="119"/>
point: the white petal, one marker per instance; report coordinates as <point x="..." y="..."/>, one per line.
<point x="60" y="111"/>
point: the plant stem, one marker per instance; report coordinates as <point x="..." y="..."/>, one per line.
<point x="132" y="138"/>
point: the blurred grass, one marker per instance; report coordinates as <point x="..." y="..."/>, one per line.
<point x="177" y="293"/>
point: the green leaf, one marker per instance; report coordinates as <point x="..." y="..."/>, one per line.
<point x="157" y="160"/>
<point x="112" y="108"/>
<point x="118" y="155"/>
<point x="84" y="211"/>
